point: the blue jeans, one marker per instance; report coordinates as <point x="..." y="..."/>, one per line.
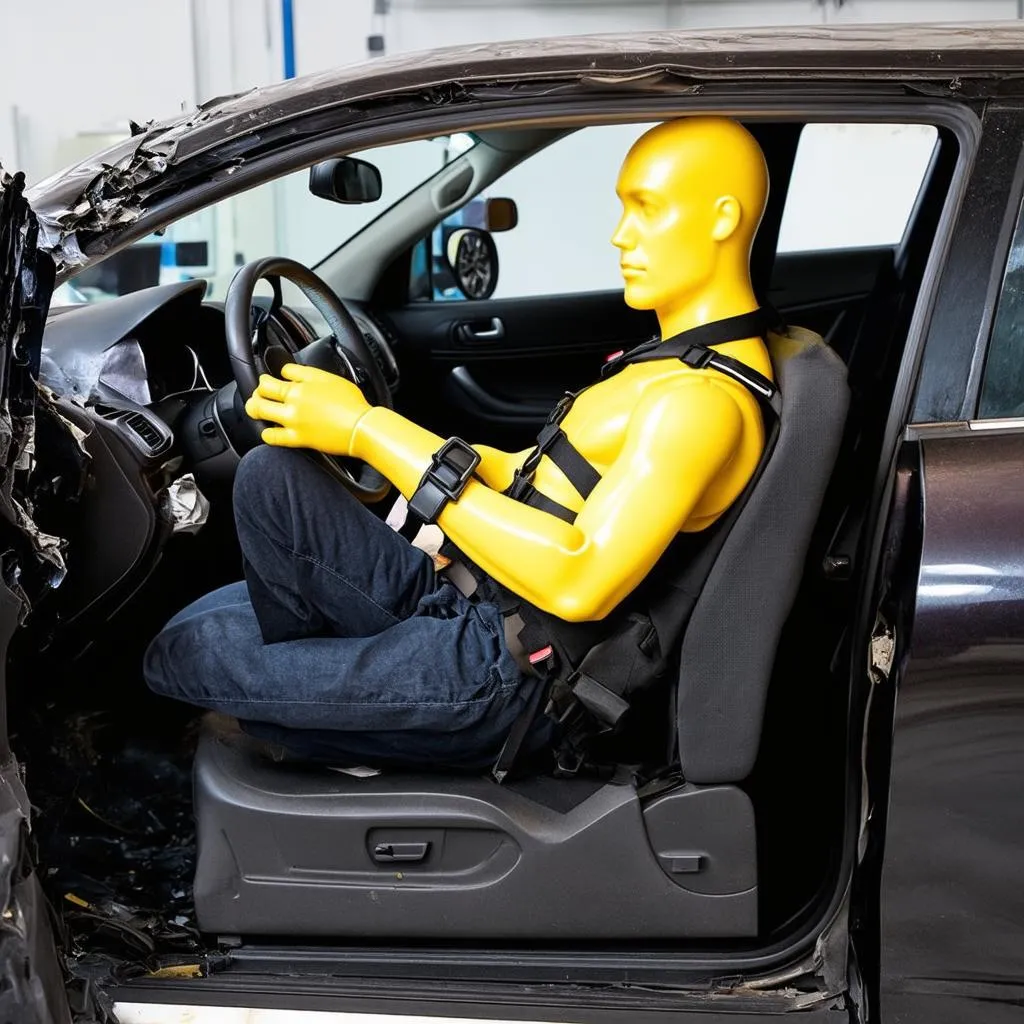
<point x="342" y="643"/>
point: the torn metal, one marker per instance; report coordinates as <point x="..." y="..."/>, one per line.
<point x="94" y="206"/>
<point x="31" y="988"/>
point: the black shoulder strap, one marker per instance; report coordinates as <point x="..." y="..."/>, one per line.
<point x="692" y="347"/>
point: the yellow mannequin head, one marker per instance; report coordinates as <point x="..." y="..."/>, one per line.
<point x="693" y="192"/>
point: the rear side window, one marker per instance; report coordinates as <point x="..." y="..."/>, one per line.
<point x="1002" y="393"/>
<point x="854" y="185"/>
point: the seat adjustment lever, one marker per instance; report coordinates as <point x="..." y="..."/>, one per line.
<point x="410" y="853"/>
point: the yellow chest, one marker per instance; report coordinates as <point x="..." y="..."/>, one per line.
<point x="598" y="422"/>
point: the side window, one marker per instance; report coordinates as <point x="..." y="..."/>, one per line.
<point x="568" y="210"/>
<point x="854" y="185"/>
<point x="1002" y="393"/>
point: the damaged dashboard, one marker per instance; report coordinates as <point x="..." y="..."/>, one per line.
<point x="143" y="347"/>
<point x="130" y="374"/>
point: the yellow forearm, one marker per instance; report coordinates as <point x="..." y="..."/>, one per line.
<point x="525" y="549"/>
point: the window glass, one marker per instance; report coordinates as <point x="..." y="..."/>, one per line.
<point x="1002" y="393"/>
<point x="854" y="185"/>
<point x="280" y="218"/>
<point x="568" y="210"/>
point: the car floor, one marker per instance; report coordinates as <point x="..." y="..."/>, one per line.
<point x="113" y="826"/>
<point x="108" y="766"/>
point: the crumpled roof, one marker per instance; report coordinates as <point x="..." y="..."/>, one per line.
<point x="103" y="191"/>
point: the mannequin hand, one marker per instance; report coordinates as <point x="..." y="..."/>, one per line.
<point x="315" y="409"/>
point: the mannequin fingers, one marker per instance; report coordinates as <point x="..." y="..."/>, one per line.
<point x="271" y="387"/>
<point x="267" y="409"/>
<point x="282" y="437"/>
<point x="298" y="372"/>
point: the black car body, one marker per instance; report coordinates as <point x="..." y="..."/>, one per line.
<point x="888" y="786"/>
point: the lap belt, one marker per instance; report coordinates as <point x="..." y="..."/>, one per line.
<point x="462" y="579"/>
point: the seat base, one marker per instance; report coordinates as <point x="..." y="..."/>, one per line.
<point x="302" y="850"/>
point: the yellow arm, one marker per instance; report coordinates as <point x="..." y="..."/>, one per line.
<point x="680" y="436"/>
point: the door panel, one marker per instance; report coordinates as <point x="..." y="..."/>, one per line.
<point x="952" y="901"/>
<point x="491" y="370"/>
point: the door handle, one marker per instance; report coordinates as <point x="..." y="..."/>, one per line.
<point x="410" y="853"/>
<point x="471" y="331"/>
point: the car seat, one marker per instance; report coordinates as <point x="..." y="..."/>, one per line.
<point x="293" y="849"/>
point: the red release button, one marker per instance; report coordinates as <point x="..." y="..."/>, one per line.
<point x="542" y="655"/>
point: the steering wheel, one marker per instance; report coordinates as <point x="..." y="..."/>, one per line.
<point x="344" y="352"/>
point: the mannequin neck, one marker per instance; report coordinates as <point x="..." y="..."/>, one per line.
<point x="716" y="302"/>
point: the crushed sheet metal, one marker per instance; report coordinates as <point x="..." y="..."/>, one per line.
<point x="31" y="989"/>
<point x="34" y="560"/>
<point x="107" y="199"/>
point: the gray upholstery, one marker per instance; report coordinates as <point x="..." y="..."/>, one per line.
<point x="730" y="642"/>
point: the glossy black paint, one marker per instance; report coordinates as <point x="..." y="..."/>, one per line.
<point x="952" y="899"/>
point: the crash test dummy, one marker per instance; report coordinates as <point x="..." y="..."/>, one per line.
<point x="345" y="641"/>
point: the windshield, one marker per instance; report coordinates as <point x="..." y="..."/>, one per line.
<point x="278" y="218"/>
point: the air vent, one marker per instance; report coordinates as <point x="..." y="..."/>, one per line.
<point x="140" y="426"/>
<point x="153" y="440"/>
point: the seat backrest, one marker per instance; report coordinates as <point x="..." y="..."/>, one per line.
<point x="729" y="647"/>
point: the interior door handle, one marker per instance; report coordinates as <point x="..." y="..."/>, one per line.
<point x="472" y="331"/>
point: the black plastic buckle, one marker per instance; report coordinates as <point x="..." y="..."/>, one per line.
<point x="451" y="468"/>
<point x="561" y="408"/>
<point x="697" y="356"/>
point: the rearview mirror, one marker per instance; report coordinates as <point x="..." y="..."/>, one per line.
<point x="345" y="180"/>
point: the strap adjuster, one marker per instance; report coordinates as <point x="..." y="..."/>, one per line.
<point x="450" y="469"/>
<point x="697" y="357"/>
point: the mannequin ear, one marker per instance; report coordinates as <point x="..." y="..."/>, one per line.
<point x="728" y="214"/>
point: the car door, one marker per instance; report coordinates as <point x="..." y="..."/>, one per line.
<point x="951" y="917"/>
<point x="490" y="369"/>
<point x="31" y="983"/>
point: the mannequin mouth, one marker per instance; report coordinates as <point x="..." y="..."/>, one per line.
<point x="630" y="271"/>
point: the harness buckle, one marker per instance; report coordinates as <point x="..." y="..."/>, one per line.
<point x="450" y="469"/>
<point x="561" y="409"/>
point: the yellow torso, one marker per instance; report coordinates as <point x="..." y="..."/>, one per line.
<point x="599" y="418"/>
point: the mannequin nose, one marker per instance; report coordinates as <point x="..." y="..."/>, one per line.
<point x="623" y="237"/>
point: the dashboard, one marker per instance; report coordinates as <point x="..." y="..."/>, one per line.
<point x="155" y="351"/>
<point x="147" y="381"/>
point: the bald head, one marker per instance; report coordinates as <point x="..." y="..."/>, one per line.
<point x="693" y="191"/>
<point x="705" y="157"/>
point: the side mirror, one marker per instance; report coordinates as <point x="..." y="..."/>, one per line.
<point x="345" y="180"/>
<point x="501" y="214"/>
<point x="472" y="257"/>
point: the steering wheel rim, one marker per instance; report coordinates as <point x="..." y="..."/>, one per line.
<point x="349" y="347"/>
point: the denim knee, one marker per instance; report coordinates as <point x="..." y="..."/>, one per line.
<point x="261" y="477"/>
